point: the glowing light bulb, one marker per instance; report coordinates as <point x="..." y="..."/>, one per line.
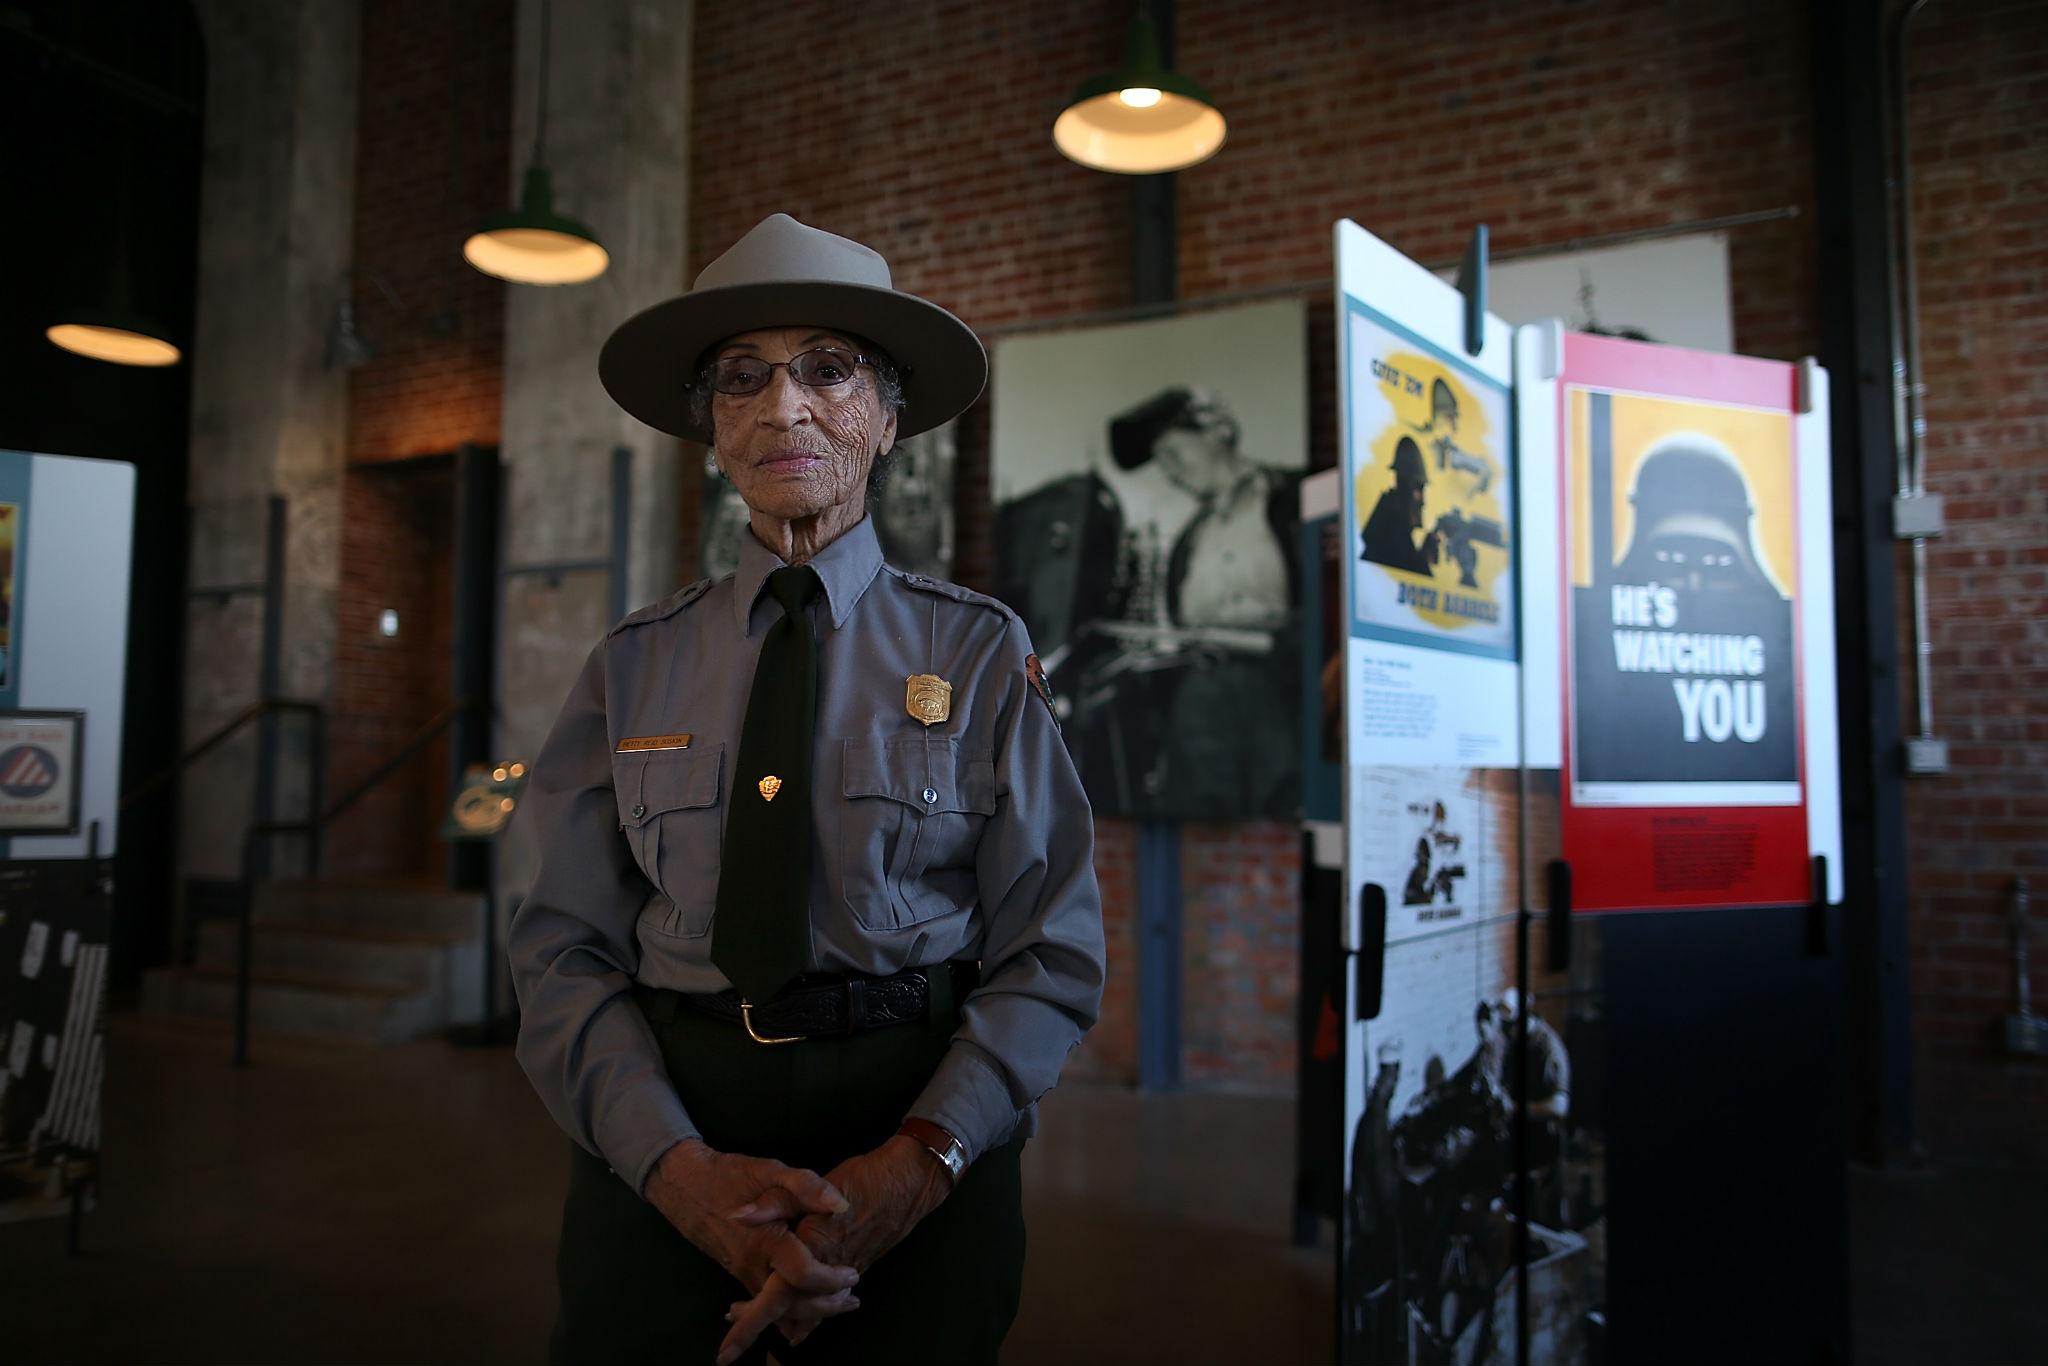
<point x="1139" y="97"/>
<point x="115" y="344"/>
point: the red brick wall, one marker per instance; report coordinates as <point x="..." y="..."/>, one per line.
<point x="1240" y="953"/>
<point x="1978" y="107"/>
<point x="1546" y="121"/>
<point x="433" y="160"/>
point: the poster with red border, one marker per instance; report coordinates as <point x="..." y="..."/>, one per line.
<point x="1686" y="589"/>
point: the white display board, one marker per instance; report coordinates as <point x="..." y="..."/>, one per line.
<point x="1430" y="673"/>
<point x="64" y="575"/>
<point x="1674" y="290"/>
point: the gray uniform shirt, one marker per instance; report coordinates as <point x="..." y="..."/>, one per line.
<point x="970" y="838"/>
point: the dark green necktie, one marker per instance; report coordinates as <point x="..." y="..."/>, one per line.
<point x="762" y="935"/>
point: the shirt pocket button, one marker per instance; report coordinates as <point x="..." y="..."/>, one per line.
<point x="673" y="827"/>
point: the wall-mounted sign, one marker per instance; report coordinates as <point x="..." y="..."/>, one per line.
<point x="39" y="761"/>
<point x="483" y="806"/>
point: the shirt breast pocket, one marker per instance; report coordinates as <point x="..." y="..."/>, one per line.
<point x="669" y="810"/>
<point x="913" y="814"/>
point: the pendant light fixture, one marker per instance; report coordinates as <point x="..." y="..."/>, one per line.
<point x="113" y="328"/>
<point x="1143" y="118"/>
<point x="534" y="245"/>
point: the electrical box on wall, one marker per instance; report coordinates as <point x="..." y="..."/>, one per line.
<point x="1926" y="755"/>
<point x="1916" y="516"/>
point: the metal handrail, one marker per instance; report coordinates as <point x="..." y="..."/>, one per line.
<point x="313" y="828"/>
<point x="418" y="741"/>
<point x="254" y="711"/>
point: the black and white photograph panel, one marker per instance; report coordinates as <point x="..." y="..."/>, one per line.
<point x="1147" y="479"/>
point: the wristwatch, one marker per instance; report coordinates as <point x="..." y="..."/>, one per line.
<point x="940" y="1144"/>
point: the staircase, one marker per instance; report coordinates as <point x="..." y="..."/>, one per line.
<point x="376" y="962"/>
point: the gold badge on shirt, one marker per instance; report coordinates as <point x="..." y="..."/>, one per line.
<point x="929" y="698"/>
<point x="769" y="786"/>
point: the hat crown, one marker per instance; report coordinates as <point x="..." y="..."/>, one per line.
<point x="779" y="249"/>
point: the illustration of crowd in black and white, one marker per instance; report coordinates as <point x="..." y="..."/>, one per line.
<point x="53" y="956"/>
<point x="1431" y="1238"/>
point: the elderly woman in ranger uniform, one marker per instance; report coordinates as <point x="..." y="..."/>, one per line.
<point x="816" y="921"/>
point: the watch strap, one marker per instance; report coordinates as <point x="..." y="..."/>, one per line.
<point x="939" y="1143"/>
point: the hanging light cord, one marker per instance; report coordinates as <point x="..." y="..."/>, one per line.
<point x="540" y="126"/>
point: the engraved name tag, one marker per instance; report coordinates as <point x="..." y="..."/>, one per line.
<point x="640" y="742"/>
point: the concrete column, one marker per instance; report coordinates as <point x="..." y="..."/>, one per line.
<point x="277" y="199"/>
<point x="618" y="144"/>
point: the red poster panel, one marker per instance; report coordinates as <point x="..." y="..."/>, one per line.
<point x="1683" y="779"/>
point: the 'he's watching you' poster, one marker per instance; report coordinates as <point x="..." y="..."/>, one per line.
<point x="1684" y="779"/>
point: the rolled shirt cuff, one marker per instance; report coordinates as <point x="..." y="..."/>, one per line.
<point x="635" y="1133"/>
<point x="968" y="1098"/>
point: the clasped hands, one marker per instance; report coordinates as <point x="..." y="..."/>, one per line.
<point x="799" y="1241"/>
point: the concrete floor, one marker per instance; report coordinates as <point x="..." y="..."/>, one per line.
<point x="344" y="1204"/>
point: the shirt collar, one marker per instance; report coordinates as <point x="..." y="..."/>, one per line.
<point x="846" y="568"/>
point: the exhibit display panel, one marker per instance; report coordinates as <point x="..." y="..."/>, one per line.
<point x="65" y="540"/>
<point x="1681" y="748"/>
<point x="1433" y="811"/>
<point x="1588" y="668"/>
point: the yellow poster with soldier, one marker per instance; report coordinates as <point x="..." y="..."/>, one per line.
<point x="1431" y="459"/>
<point x="10" y="521"/>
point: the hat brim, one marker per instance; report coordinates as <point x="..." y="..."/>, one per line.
<point x="646" y="363"/>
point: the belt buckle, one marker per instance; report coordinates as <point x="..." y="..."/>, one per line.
<point x="747" y="1019"/>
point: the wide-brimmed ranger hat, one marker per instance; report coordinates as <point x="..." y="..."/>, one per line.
<point x="786" y="274"/>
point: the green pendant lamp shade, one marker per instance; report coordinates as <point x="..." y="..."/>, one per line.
<point x="534" y="245"/>
<point x="1141" y="119"/>
<point x="111" y="328"/>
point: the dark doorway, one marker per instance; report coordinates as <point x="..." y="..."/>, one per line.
<point x="414" y="640"/>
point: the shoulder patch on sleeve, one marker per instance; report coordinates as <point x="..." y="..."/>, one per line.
<point x="667" y="607"/>
<point x="1036" y="673"/>
<point x="927" y="584"/>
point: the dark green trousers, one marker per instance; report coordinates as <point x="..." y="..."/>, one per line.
<point x="634" y="1290"/>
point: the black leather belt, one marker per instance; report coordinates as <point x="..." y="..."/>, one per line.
<point x="825" y="1004"/>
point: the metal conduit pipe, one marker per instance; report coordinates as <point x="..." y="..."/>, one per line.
<point x="1915" y="516"/>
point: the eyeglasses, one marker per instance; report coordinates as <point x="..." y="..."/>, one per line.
<point x="823" y="367"/>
